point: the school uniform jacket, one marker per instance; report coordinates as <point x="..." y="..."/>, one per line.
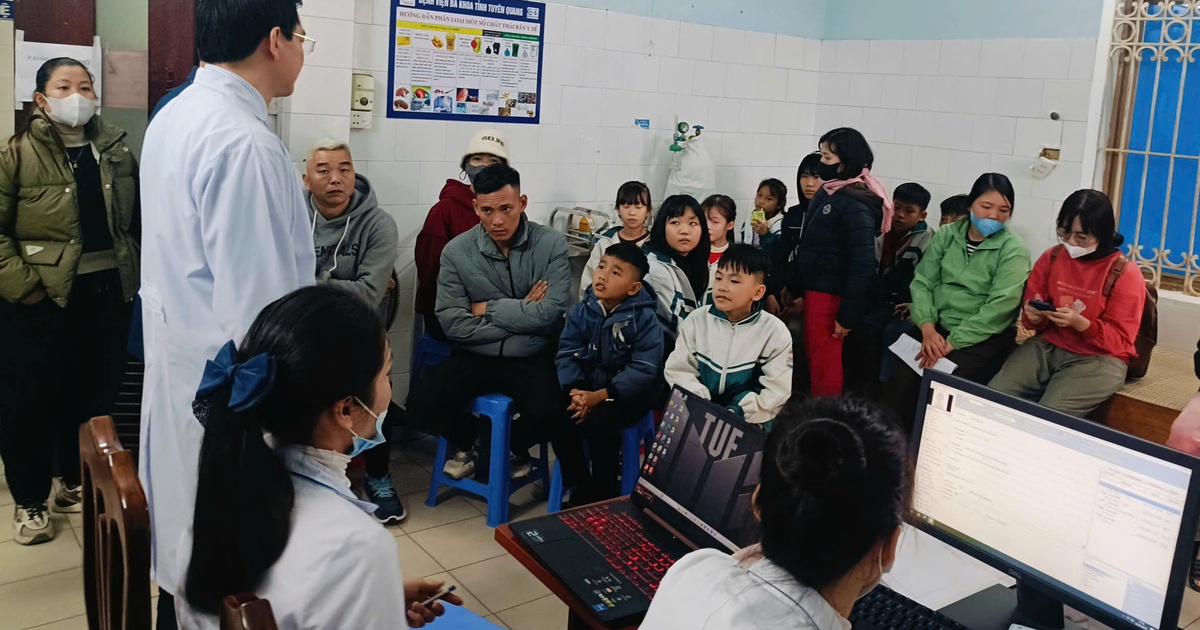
<point x="604" y="240"/>
<point x="744" y="366"/>
<point x="619" y="351"/>
<point x="674" y="292"/>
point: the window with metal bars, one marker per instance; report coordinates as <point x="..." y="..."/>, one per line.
<point x="1152" y="153"/>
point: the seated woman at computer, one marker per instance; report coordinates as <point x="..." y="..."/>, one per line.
<point x="275" y="515"/>
<point x="835" y="484"/>
<point x="966" y="294"/>
<point x="1084" y="299"/>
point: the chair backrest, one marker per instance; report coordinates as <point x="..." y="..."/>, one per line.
<point x="247" y="612"/>
<point x="116" y="526"/>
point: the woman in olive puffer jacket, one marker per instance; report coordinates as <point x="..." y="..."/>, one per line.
<point x="69" y="255"/>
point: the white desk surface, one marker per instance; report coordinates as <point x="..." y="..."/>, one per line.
<point x="936" y="575"/>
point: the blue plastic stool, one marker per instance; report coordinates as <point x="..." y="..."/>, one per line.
<point x="499" y="409"/>
<point x="633" y="440"/>
<point x="428" y="353"/>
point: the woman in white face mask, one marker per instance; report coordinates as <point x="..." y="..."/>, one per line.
<point x="1084" y="298"/>
<point x="835" y="486"/>
<point x="69" y="256"/>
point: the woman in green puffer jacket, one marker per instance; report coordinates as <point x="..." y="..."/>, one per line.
<point x="69" y="230"/>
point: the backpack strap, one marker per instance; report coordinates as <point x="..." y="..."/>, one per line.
<point x="1114" y="274"/>
<point x="1054" y="252"/>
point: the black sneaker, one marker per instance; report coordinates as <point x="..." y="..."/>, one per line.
<point x="381" y="492"/>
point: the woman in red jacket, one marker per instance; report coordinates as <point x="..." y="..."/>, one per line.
<point x="1085" y="300"/>
<point x="453" y="214"/>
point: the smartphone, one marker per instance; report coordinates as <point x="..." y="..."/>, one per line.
<point x="758" y="215"/>
<point x="1041" y="305"/>
<point x="446" y="590"/>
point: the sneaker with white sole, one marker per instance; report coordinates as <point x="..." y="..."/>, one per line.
<point x="460" y="466"/>
<point x="67" y="499"/>
<point x="32" y="525"/>
<point x="519" y="467"/>
<point x="381" y="492"/>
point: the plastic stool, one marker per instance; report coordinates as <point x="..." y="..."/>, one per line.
<point x="633" y="440"/>
<point x="428" y="353"/>
<point x="499" y="409"/>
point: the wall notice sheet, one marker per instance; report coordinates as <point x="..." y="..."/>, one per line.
<point x="466" y="60"/>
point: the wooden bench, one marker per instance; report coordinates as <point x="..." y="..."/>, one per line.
<point x="1146" y="407"/>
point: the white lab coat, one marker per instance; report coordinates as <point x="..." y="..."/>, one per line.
<point x="340" y="568"/>
<point x="225" y="232"/>
<point x="712" y="590"/>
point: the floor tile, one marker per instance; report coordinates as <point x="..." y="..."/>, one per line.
<point x="41" y="600"/>
<point x="450" y="509"/>
<point x="18" y="562"/>
<point x="414" y="560"/>
<point x="470" y="602"/>
<point x="547" y="613"/>
<point x="76" y="520"/>
<point x="77" y="532"/>
<point x="74" y="623"/>
<point x="527" y="502"/>
<point x="500" y="583"/>
<point x="5" y="500"/>
<point x="1189" y="614"/>
<point x="459" y="544"/>
<point x="408" y="477"/>
<point x="496" y="620"/>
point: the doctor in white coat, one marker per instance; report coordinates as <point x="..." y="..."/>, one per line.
<point x="225" y="232"/>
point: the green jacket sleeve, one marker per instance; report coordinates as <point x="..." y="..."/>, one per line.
<point x="1003" y="302"/>
<point x="17" y="279"/>
<point x="928" y="275"/>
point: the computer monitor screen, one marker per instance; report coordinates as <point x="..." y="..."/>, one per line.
<point x="701" y="472"/>
<point x="1093" y="518"/>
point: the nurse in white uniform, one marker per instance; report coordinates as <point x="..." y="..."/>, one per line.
<point x="307" y="390"/>
<point x="225" y="232"/>
<point x="835" y="483"/>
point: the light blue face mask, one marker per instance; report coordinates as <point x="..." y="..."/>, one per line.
<point x="986" y="227"/>
<point x="360" y="444"/>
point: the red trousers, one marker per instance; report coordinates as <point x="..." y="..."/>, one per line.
<point x="823" y="350"/>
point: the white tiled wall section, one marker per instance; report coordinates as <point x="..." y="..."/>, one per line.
<point x="943" y="112"/>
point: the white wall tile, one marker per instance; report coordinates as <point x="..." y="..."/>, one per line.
<point x="789" y="52"/>
<point x="432" y="179"/>
<point x="336" y="9"/>
<point x="602" y="69"/>
<point x="551" y="104"/>
<point x="892" y="160"/>
<point x="812" y="54"/>
<point x="696" y="41"/>
<point x="335" y="42"/>
<point x="879" y="125"/>
<point x="828" y="56"/>
<point x="641" y="72"/>
<point x="383" y="12"/>
<point x="922" y="57"/>
<point x="1034" y="134"/>
<point x="953" y="131"/>
<point x="866" y="90"/>
<point x="691" y="109"/>
<point x="938" y="94"/>
<point x="755" y="117"/>
<point x="900" y="91"/>
<point x="625" y="32"/>
<point x="364" y="12"/>
<point x="785" y="118"/>
<point x="371" y="49"/>
<point x="581" y="106"/>
<point x="398" y="183"/>
<point x="1069" y="98"/>
<point x="852" y="56"/>
<point x="994" y="134"/>
<point x="677" y="76"/>
<point x="420" y="140"/>
<point x="301" y="131"/>
<point x="1019" y="97"/>
<point x="664" y="38"/>
<point x="886" y="57"/>
<point x="562" y="65"/>
<point x="1083" y="59"/>
<point x="974" y="95"/>
<point x="729" y="45"/>
<point x="914" y="128"/>
<point x="964" y="167"/>
<point x="556" y="24"/>
<point x="322" y="90"/>
<point x="802" y="86"/>
<point x="771" y="84"/>
<point x="930" y="165"/>
<point x="710" y="78"/>
<point x="585" y="27"/>
<point x="740" y="78"/>
<point x="724" y="114"/>
<point x="832" y="117"/>
<point x="1002" y="58"/>
<point x="1060" y="184"/>
<point x="960" y="57"/>
<point x="1073" y="137"/>
<point x="833" y="88"/>
<point x="760" y="49"/>
<point x="1047" y="59"/>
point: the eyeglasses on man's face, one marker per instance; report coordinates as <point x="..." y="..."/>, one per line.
<point x="307" y="43"/>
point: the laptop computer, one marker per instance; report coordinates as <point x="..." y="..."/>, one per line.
<point x="694" y="491"/>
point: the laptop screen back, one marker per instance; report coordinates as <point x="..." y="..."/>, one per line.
<point x="701" y="472"/>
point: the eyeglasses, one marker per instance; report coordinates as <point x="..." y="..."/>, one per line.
<point x="1081" y="239"/>
<point x="307" y="43"/>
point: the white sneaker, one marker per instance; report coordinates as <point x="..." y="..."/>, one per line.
<point x="32" y="525"/>
<point x="519" y="467"/>
<point x="67" y="499"/>
<point x="460" y="466"/>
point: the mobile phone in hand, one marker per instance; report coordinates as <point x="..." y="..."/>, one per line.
<point x="1042" y="305"/>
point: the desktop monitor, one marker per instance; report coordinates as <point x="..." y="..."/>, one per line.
<point x="1078" y="513"/>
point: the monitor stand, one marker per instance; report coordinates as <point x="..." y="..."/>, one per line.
<point x="997" y="608"/>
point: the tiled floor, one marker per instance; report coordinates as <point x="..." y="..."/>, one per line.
<point x="41" y="587"/>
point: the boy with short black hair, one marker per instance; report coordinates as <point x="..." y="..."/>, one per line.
<point x="954" y="208"/>
<point x="731" y="352"/>
<point x="609" y="359"/>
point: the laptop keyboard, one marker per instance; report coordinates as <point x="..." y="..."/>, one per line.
<point x="885" y="609"/>
<point x="619" y="537"/>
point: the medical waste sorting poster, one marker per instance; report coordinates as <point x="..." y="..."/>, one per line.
<point x="466" y="60"/>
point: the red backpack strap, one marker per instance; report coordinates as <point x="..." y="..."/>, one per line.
<point x="1114" y="274"/>
<point x="1054" y="252"/>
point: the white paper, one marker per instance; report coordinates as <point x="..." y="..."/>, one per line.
<point x="31" y="55"/>
<point x="906" y="348"/>
<point x="936" y="575"/>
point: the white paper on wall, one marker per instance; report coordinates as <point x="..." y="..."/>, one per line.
<point x="31" y="55"/>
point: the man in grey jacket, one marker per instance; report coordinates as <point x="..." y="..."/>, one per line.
<point x="356" y="244"/>
<point x="502" y="297"/>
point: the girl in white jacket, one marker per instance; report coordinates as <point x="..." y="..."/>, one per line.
<point x="678" y="254"/>
<point x="633" y="206"/>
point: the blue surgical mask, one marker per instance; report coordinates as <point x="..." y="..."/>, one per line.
<point x="986" y="227"/>
<point x="361" y="444"/>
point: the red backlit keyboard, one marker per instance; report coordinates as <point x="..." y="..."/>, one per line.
<point x="619" y="537"/>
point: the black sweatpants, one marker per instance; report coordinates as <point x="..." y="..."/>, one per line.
<point x="61" y="367"/>
<point x="602" y="430"/>
<point x="438" y="403"/>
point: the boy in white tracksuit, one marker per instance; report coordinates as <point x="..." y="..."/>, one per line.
<point x="731" y="352"/>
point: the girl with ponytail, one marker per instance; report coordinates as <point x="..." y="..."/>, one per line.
<point x="834" y="488"/>
<point x="283" y="414"/>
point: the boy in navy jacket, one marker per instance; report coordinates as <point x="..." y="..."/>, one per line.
<point x="610" y="360"/>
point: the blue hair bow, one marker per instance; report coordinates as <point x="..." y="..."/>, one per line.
<point x="249" y="382"/>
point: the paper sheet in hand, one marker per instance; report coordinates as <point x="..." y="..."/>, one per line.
<point x="935" y="574"/>
<point x="906" y="348"/>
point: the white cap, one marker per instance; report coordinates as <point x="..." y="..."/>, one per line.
<point x="487" y="141"/>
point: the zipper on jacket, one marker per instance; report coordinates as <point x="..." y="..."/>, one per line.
<point x="512" y="287"/>
<point x="728" y="353"/>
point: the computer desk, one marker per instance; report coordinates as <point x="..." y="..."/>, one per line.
<point x="926" y="570"/>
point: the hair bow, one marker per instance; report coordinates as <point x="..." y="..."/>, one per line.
<point x="249" y="382"/>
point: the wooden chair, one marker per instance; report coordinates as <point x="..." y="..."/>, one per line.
<point x="116" y="526"/>
<point x="247" y="612"/>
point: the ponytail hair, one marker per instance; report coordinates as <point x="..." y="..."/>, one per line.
<point x="326" y="345"/>
<point x="835" y="482"/>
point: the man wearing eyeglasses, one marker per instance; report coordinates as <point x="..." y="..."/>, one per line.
<point x="225" y="233"/>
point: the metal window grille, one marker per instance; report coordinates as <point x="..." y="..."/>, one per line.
<point x="1152" y="154"/>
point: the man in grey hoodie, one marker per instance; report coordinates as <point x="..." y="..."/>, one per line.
<point x="356" y="243"/>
